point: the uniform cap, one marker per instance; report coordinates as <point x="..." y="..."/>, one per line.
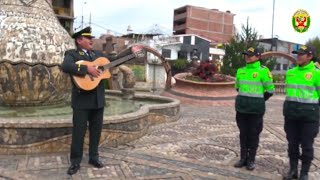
<point x="305" y="50"/>
<point x="252" y="52"/>
<point x="86" y="32"/>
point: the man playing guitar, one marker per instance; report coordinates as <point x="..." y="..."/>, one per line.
<point x="86" y="65"/>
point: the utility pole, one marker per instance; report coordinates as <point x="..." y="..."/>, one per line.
<point x="272" y="19"/>
<point x="82" y="14"/>
<point x="272" y="40"/>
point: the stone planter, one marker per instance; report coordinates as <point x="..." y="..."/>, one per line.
<point x="203" y="90"/>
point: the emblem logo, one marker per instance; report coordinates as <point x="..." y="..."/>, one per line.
<point x="303" y="47"/>
<point x="301" y="21"/>
<point x="308" y="76"/>
<point x="81" y="53"/>
<point x="254" y="75"/>
<point x="251" y="49"/>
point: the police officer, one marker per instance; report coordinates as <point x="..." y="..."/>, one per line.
<point x="254" y="85"/>
<point x="301" y="111"/>
<point x="88" y="106"/>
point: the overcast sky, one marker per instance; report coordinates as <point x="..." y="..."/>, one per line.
<point x="142" y="15"/>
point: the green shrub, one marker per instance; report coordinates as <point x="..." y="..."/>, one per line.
<point x="178" y="66"/>
<point x="139" y="72"/>
<point x="279" y="78"/>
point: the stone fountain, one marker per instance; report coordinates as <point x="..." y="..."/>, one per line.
<point x="35" y="115"/>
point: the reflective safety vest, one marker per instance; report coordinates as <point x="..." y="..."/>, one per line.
<point x="303" y="84"/>
<point x="302" y="93"/>
<point x="252" y="81"/>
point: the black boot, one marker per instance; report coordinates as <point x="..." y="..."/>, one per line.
<point x="304" y="170"/>
<point x="293" y="171"/>
<point x="243" y="159"/>
<point x="251" y="158"/>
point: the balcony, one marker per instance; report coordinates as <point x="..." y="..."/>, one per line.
<point x="179" y="27"/>
<point x="181" y="16"/>
<point x="64" y="12"/>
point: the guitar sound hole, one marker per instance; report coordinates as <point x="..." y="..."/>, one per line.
<point x="101" y="68"/>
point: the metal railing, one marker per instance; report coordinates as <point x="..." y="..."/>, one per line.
<point x="279" y="88"/>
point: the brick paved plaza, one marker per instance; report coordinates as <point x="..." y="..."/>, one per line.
<point x="203" y="144"/>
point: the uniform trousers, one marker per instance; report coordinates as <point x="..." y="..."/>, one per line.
<point x="250" y="126"/>
<point x="81" y="119"/>
<point x="300" y="132"/>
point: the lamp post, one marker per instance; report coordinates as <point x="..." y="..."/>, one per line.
<point x="85" y="2"/>
<point x="154" y="62"/>
<point x="272" y="19"/>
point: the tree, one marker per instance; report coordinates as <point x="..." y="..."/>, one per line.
<point x="315" y="42"/>
<point x="233" y="58"/>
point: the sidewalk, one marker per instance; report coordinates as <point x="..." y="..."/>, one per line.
<point x="202" y="145"/>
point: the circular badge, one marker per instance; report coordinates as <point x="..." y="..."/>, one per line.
<point x="255" y="74"/>
<point x="308" y="76"/>
<point x="301" y="21"/>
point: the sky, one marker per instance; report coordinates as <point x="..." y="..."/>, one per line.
<point x="143" y="15"/>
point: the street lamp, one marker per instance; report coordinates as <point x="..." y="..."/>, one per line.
<point x="85" y="2"/>
<point x="154" y="63"/>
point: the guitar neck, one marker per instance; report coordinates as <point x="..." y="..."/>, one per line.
<point x="119" y="61"/>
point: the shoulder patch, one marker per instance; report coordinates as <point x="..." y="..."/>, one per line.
<point x="70" y="51"/>
<point x="263" y="67"/>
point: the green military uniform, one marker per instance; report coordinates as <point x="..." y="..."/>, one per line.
<point x="254" y="85"/>
<point x="88" y="106"/>
<point x="301" y="112"/>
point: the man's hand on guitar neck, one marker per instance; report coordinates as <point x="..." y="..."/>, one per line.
<point x="136" y="48"/>
<point x="94" y="71"/>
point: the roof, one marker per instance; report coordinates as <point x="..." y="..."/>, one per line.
<point x="130" y="35"/>
<point x="217" y="51"/>
<point x="182" y="35"/>
<point x="269" y="40"/>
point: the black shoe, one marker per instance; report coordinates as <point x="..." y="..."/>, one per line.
<point x="73" y="169"/>
<point x="303" y="177"/>
<point x="241" y="163"/>
<point x="97" y="163"/>
<point x="292" y="174"/>
<point x="251" y="165"/>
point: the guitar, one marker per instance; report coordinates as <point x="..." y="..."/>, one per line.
<point x="89" y="82"/>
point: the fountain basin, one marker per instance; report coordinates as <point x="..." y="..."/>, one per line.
<point x="35" y="132"/>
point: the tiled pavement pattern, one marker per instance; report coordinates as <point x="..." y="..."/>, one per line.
<point x="202" y="145"/>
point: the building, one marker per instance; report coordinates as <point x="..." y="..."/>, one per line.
<point x="208" y="23"/>
<point x="186" y="46"/>
<point x="274" y="44"/>
<point x="64" y="12"/>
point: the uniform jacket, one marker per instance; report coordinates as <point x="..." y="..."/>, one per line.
<point x="81" y="99"/>
<point x="302" y="93"/>
<point x="252" y="82"/>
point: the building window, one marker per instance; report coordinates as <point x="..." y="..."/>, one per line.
<point x="278" y="67"/>
<point x="284" y="66"/>
<point x="166" y="53"/>
<point x="182" y="55"/>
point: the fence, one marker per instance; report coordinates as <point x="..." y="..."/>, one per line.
<point x="279" y="88"/>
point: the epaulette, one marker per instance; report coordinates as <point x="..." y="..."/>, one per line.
<point x="70" y="51"/>
<point x="263" y="67"/>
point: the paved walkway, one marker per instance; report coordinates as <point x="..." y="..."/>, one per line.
<point x="202" y="145"/>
